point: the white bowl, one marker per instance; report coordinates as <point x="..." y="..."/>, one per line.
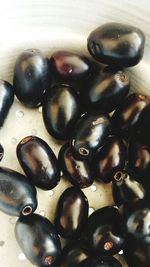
<point x="52" y="25"/>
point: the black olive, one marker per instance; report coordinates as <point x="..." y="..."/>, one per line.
<point x="1" y="152"/>
<point x="106" y="91"/>
<point x="117" y="44"/>
<point x="110" y="159"/>
<point x="126" y="189"/>
<point x="136" y="218"/>
<point x="61" y="109"/>
<point x="104" y="232"/>
<point x="100" y="262"/>
<point x="136" y="253"/>
<point x="144" y="125"/>
<point x="126" y="117"/>
<point x="78" y="172"/>
<point x="6" y="100"/>
<point x="71" y="213"/>
<point x="89" y="134"/>
<point x="17" y="194"/>
<point x="38" y="240"/>
<point x="38" y="162"/>
<point x="31" y="77"/>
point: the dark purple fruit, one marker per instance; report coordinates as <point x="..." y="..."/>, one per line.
<point x="139" y="157"/>
<point x="1" y="152"/>
<point x="89" y="134"/>
<point x="72" y="255"/>
<point x="136" y="218"/>
<point x="31" y="77"/>
<point x="61" y="109"/>
<point x="100" y="262"/>
<point x="106" y="91"/>
<point x="70" y="66"/>
<point x="144" y="125"/>
<point x="125" y="119"/>
<point x="110" y="159"/>
<point x="117" y="44"/>
<point x="104" y="232"/>
<point x="6" y="100"/>
<point x="71" y="213"/>
<point x="136" y="254"/>
<point x="126" y="189"/>
<point x="38" y="240"/>
<point x="78" y="172"/>
<point x="17" y="194"/>
<point x="38" y="162"/>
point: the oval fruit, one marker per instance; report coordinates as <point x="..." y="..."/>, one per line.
<point x="38" y="240"/>
<point x="31" y="77"/>
<point x="71" y="213"/>
<point x="89" y="134"/>
<point x="110" y="159"/>
<point x="38" y="162"/>
<point x="126" y="117"/>
<point x="78" y="172"/>
<point x="117" y="44"/>
<point x="6" y="100"/>
<point x="61" y="109"/>
<point x="126" y="189"/>
<point x="104" y="232"/>
<point x="17" y="194"/>
<point x="106" y="91"/>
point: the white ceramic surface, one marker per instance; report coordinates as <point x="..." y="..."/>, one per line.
<point x="53" y="25"/>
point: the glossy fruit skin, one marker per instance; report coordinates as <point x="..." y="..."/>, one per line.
<point x="125" y="119"/>
<point x="125" y="189"/>
<point x="106" y="91"/>
<point x="117" y="44"/>
<point x="136" y="253"/>
<point x="78" y="172"/>
<point x="139" y="156"/>
<point x="6" y="100"/>
<point x="38" y="162"/>
<point x="1" y="152"/>
<point x="71" y="213"/>
<point x="104" y="232"/>
<point x="100" y="262"/>
<point x="31" y="77"/>
<point x="38" y="240"/>
<point x="70" y="66"/>
<point x="89" y="134"/>
<point x="72" y="255"/>
<point x="16" y="193"/>
<point x="61" y="109"/>
<point x="110" y="159"/>
<point x="136" y="218"/>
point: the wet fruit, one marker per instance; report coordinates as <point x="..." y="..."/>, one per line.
<point x="38" y="240"/>
<point x="38" y="162"/>
<point x="78" y="172"/>
<point x="31" y="77"/>
<point x="71" y="213"/>
<point x="117" y="44"/>
<point x="17" y="194"/>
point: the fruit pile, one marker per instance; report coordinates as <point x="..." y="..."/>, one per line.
<point x="86" y="103"/>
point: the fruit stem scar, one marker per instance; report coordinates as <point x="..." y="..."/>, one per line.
<point x="27" y="210"/>
<point x="108" y="245"/>
<point x="83" y="151"/>
<point x="49" y="260"/>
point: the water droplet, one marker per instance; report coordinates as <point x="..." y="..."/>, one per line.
<point x="33" y="132"/>
<point x="13" y="140"/>
<point x="21" y="257"/>
<point x="40" y="109"/>
<point x="20" y="113"/>
<point x="42" y="213"/>
<point x="51" y="193"/>
<point x="91" y="210"/>
<point x="93" y="188"/>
